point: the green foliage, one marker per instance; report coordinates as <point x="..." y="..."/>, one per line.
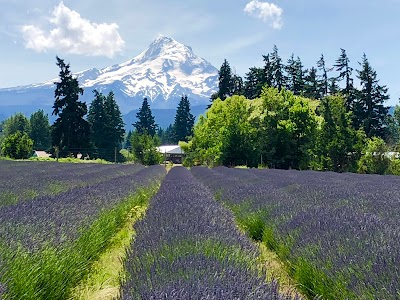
<point x="70" y="132"/>
<point x="144" y="148"/>
<point x="288" y="130"/>
<point x="107" y="127"/>
<point x="166" y="135"/>
<point x="184" y="121"/>
<point x="17" y="145"/>
<point x="337" y="143"/>
<point x="371" y="114"/>
<point x="17" y="122"/>
<point x="342" y="66"/>
<point x="254" y="82"/>
<point x="374" y="159"/>
<point x="145" y="123"/>
<point x="40" y="130"/>
<point x="224" y="136"/>
<point x="394" y="167"/>
<point x="224" y="81"/>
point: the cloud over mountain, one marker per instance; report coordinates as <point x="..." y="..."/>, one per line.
<point x="71" y="33"/>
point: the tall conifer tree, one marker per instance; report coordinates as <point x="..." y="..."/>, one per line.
<point x="324" y="84"/>
<point x="40" y="130"/>
<point x="70" y="132"/>
<point x="371" y="113"/>
<point x="342" y="65"/>
<point x="184" y="121"/>
<point x="277" y="68"/>
<point x="145" y="123"/>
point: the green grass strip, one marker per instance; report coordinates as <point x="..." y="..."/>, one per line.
<point x="53" y="273"/>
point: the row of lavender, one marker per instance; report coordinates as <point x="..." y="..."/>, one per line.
<point x="339" y="233"/>
<point x="188" y="247"/>
<point x="48" y="243"/>
<point x="28" y="180"/>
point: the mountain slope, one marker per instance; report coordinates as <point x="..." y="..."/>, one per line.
<point x="162" y="73"/>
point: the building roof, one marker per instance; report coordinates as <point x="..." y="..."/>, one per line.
<point x="170" y="149"/>
<point x="40" y="154"/>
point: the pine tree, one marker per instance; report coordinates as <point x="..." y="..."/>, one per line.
<point x="224" y="81"/>
<point x="268" y="72"/>
<point x="145" y="123"/>
<point x="114" y="124"/>
<point x="97" y="119"/>
<point x="184" y="121"/>
<point x="253" y="83"/>
<point x="70" y="132"/>
<point x="342" y="65"/>
<point x="237" y="85"/>
<point x="295" y="80"/>
<point x="107" y="126"/>
<point x="17" y="122"/>
<point x="311" y="84"/>
<point x="324" y="84"/>
<point x="333" y="86"/>
<point x="40" y="130"/>
<point x="277" y="68"/>
<point x="370" y="111"/>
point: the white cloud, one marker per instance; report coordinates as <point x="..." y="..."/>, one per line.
<point x="268" y="12"/>
<point x="73" y="34"/>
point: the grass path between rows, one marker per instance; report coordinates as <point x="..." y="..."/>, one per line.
<point x="103" y="282"/>
<point x="276" y="270"/>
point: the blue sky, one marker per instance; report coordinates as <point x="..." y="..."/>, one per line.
<point x="241" y="31"/>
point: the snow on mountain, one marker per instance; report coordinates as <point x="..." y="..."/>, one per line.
<point x="162" y="73"/>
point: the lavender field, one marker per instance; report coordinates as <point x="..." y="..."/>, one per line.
<point x="338" y="234"/>
<point x="49" y="240"/>
<point x="188" y="247"/>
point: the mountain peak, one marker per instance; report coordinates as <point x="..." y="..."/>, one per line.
<point x="163" y="72"/>
<point x="164" y="46"/>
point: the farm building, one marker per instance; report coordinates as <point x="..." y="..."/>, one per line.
<point x="41" y="154"/>
<point x="173" y="153"/>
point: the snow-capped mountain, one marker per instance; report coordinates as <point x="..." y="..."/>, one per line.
<point x="162" y="73"/>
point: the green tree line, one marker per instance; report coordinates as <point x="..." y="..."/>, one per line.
<point x="97" y="132"/>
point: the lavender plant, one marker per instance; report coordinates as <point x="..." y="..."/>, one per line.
<point x="47" y="244"/>
<point x="188" y="247"/>
<point x="339" y="233"/>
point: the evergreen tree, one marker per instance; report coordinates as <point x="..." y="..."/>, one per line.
<point x="70" y="132"/>
<point x="97" y="119"/>
<point x="253" y="83"/>
<point x="107" y="127"/>
<point x="337" y="138"/>
<point x="311" y="84"/>
<point x="128" y="140"/>
<point x="237" y="85"/>
<point x="40" y="130"/>
<point x="115" y="131"/>
<point x="17" y="122"/>
<point x="345" y="71"/>
<point x="145" y="120"/>
<point x="371" y="114"/>
<point x="268" y="72"/>
<point x="277" y="68"/>
<point x="224" y="81"/>
<point x="184" y="121"/>
<point x="295" y="80"/>
<point x="333" y="86"/>
<point x="324" y="84"/>
<point x="166" y="135"/>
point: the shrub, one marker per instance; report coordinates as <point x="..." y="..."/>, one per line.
<point x="17" y="146"/>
